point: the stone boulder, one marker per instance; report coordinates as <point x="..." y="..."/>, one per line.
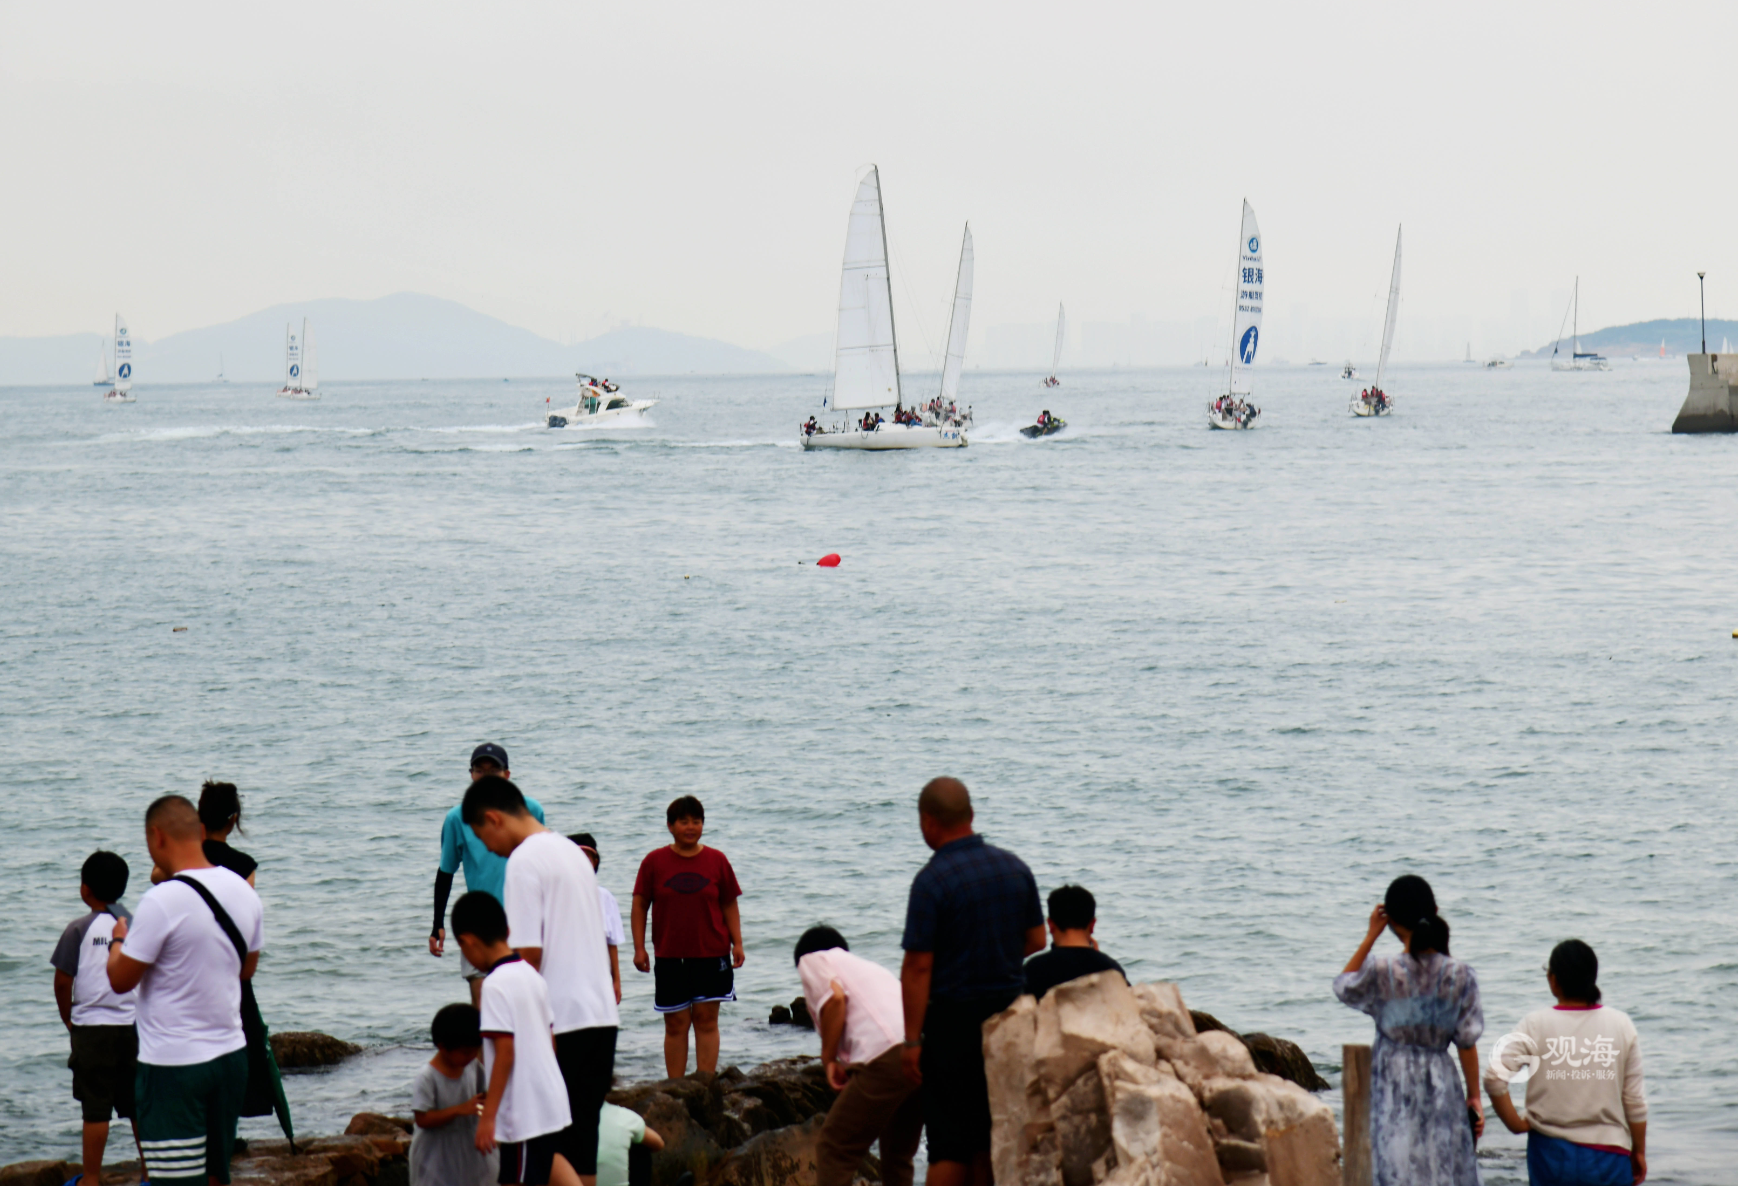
<point x="299" y="1050"/>
<point x="1286" y="1059"/>
<point x="1104" y="1084"/>
<point x="36" y="1173"/>
<point x="373" y="1124"/>
<point x="781" y="1157"/>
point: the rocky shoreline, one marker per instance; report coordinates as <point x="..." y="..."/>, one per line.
<point x="759" y="1128"/>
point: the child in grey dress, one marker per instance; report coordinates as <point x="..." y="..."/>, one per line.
<point x="445" y="1101"/>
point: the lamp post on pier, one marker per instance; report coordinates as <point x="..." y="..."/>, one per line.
<point x="1702" y="284"/>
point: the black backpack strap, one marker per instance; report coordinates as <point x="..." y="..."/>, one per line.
<point x="220" y="914"/>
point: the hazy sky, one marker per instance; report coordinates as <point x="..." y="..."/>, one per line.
<point x="690" y="165"/>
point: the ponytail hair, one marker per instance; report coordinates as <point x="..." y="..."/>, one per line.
<point x="220" y="807"/>
<point x="1411" y="903"/>
<point x="1577" y="971"/>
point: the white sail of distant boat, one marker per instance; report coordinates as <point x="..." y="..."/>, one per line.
<point x="1374" y="400"/>
<point x="866" y="354"/>
<point x="1578" y="359"/>
<point x="1056" y="358"/>
<point x="102" y="379"/>
<point x="121" y="392"/>
<point x="220" y="377"/>
<point x="295" y="365"/>
<point x="959" y="324"/>
<point x="1232" y="410"/>
<point x="310" y="365"/>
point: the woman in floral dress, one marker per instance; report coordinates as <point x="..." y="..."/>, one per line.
<point x="1425" y="1112"/>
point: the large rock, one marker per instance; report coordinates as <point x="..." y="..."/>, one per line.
<point x="1295" y="1131"/>
<point x="35" y="1173"/>
<point x="1286" y="1059"/>
<point x="1082" y="1019"/>
<point x="1162" y="1008"/>
<point x="782" y="1157"/>
<point x="1083" y="1140"/>
<point x="1019" y="1109"/>
<point x="1157" y="1127"/>
<point x="298" y="1050"/>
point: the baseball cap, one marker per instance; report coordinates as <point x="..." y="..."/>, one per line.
<point x="491" y="752"/>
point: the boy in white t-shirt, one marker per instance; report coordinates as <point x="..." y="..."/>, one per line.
<point x="99" y="1020"/>
<point x="860" y="1014"/>
<point x="555" y="923"/>
<point x="525" y="1109"/>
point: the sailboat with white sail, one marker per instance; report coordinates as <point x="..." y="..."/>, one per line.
<point x="1578" y="359"/>
<point x="1233" y="409"/>
<point x="122" y="390"/>
<point x="1051" y="380"/>
<point x="298" y="357"/>
<point x="1373" y="401"/>
<point x="102" y="379"/>
<point x="866" y="353"/>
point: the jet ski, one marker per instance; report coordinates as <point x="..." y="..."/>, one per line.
<point x="1047" y="426"/>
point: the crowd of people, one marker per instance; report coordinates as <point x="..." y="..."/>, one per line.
<point x="1237" y="410"/>
<point x="1376" y="398"/>
<point x="935" y="412"/>
<point x="153" y="1000"/>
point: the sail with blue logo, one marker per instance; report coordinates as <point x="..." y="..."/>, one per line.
<point x="1251" y="281"/>
<point x="123" y="356"/>
<point x="292" y="359"/>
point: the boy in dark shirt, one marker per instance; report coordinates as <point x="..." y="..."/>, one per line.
<point x="1074" y="953"/>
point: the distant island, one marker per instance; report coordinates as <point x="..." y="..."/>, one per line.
<point x="403" y="336"/>
<point x="1682" y="335"/>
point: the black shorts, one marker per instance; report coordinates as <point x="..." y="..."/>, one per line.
<point x="587" y="1059"/>
<point x="956" y="1096"/>
<point x="529" y="1163"/>
<point x="104" y="1062"/>
<point x="684" y="983"/>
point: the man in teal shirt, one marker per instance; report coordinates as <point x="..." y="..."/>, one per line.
<point x="483" y="869"/>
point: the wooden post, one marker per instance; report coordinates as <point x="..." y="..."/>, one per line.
<point x="1355" y="1167"/>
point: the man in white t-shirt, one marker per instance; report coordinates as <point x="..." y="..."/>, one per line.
<point x="555" y="923"/>
<point x="860" y="1014"/>
<point x="192" y="1052"/>
<point x="525" y="1107"/>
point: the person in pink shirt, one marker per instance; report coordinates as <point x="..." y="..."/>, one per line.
<point x="860" y="1015"/>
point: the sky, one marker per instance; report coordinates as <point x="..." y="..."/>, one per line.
<point x="574" y="167"/>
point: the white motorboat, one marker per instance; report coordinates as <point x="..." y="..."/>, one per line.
<point x="122" y="391"/>
<point x="866" y="362"/>
<point x="601" y="405"/>
<point x="1497" y="364"/>
<point x="1051" y="380"/>
<point x="1349" y="371"/>
<point x="1233" y="410"/>
<point x="1578" y="360"/>
<point x="1373" y="401"/>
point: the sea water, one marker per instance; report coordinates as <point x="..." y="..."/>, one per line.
<point x="1231" y="682"/>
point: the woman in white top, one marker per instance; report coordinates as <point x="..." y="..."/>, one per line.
<point x="1586" y="1118"/>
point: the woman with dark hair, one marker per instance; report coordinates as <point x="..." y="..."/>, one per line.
<point x="220" y="813"/>
<point x="1586" y="1118"/>
<point x="1422" y="1122"/>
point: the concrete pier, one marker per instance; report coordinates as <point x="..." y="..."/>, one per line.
<point x="1712" y="405"/>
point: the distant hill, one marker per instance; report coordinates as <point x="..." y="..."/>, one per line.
<point x="1682" y="335"/>
<point x="403" y="336"/>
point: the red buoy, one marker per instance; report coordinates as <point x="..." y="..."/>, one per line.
<point x="830" y="560"/>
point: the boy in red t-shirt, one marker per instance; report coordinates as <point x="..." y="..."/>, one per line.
<point x="691" y="891"/>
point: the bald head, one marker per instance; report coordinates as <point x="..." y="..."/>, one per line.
<point x="946" y="801"/>
<point x="177" y="818"/>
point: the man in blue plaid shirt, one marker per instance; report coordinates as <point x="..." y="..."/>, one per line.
<point x="972" y="919"/>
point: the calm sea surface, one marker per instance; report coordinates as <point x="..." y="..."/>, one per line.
<point x="1232" y="682"/>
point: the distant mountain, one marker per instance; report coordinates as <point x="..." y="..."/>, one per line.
<point x="1682" y="335"/>
<point x="812" y="353"/>
<point x="404" y="336"/>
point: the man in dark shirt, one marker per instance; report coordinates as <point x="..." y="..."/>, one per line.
<point x="973" y="916"/>
<point x="1074" y="952"/>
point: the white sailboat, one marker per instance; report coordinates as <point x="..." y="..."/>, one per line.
<point x="102" y="379"/>
<point x="1232" y="410"/>
<point x="959" y="325"/>
<point x="866" y="357"/>
<point x="1056" y="359"/>
<point x="1373" y="401"/>
<point x="220" y="378"/>
<point x="1577" y="360"/>
<point x="122" y="391"/>
<point x="296" y="355"/>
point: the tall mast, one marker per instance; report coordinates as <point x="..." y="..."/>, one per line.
<point x="1576" y="324"/>
<point x="892" y="330"/>
<point x="1237" y="279"/>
